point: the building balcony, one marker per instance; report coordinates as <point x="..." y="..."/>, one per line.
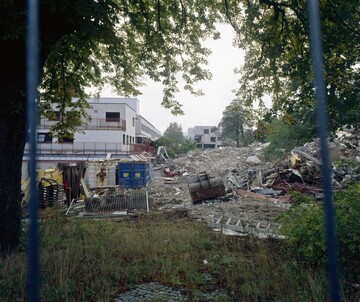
<point x="94" y="124"/>
<point x="81" y="148"/>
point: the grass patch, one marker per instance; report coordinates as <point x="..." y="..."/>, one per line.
<point x="94" y="260"/>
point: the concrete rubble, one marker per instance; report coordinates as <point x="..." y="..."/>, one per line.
<point x="256" y="191"/>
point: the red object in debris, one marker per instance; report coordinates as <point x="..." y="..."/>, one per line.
<point x="169" y="173"/>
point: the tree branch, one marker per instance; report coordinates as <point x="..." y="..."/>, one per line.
<point x="227" y="12"/>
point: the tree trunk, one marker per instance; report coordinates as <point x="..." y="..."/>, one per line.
<point x="12" y="103"/>
<point x="243" y="135"/>
<point x="237" y="136"/>
<point x="12" y="137"/>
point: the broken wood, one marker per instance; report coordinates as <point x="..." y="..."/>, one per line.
<point x="86" y="191"/>
<point x="306" y="155"/>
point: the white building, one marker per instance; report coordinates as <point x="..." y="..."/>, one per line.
<point x="115" y="126"/>
<point x="206" y="137"/>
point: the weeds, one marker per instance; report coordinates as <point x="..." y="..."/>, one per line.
<point x="92" y="260"/>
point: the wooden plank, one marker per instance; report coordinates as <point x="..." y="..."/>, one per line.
<point x="84" y="186"/>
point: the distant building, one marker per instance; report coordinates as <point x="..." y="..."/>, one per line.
<point x="206" y="137"/>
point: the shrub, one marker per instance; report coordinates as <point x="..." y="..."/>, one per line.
<point x="175" y="147"/>
<point x="186" y="146"/>
<point x="304" y="227"/>
<point x="284" y="137"/>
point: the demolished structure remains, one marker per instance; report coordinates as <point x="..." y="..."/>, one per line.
<point x="233" y="190"/>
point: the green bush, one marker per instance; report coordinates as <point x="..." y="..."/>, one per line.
<point x="284" y="137"/>
<point x="186" y="146"/>
<point x="175" y="147"/>
<point x="303" y="225"/>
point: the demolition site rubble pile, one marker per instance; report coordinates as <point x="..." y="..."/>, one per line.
<point x="256" y="191"/>
<point x="233" y="190"/>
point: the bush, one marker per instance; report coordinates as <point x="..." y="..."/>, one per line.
<point x="284" y="137"/>
<point x="175" y="147"/>
<point x="303" y="225"/>
<point x="186" y="146"/>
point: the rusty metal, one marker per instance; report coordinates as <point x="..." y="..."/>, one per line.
<point x="202" y="187"/>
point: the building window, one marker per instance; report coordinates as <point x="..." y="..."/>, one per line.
<point x="133" y="122"/>
<point x="54" y="116"/>
<point x="206" y="131"/>
<point x="213" y="129"/>
<point x="123" y="139"/>
<point x="127" y="139"/>
<point x="213" y="139"/>
<point x="209" y="146"/>
<point x="113" y="116"/>
<point x="44" y="137"/>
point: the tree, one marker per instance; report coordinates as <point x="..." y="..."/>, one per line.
<point x="274" y="34"/>
<point x="88" y="43"/>
<point x="174" y="132"/>
<point x="174" y="140"/>
<point x="236" y="123"/>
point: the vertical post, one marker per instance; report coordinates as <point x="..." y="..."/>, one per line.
<point x="331" y="240"/>
<point x="147" y="201"/>
<point x="32" y="73"/>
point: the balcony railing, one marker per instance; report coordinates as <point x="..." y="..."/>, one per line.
<point x="81" y="148"/>
<point x="94" y="124"/>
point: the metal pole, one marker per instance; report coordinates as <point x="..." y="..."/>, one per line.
<point x="331" y="240"/>
<point x="32" y="73"/>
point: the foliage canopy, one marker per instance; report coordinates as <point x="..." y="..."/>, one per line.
<point x="274" y="35"/>
<point x="236" y="123"/>
<point x="123" y="43"/>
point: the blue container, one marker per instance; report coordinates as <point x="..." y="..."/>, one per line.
<point x="134" y="174"/>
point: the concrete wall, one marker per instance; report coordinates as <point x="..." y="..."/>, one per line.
<point x="205" y="136"/>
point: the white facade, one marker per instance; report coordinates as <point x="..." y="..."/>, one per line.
<point x="207" y="137"/>
<point x="145" y="130"/>
<point x="115" y="127"/>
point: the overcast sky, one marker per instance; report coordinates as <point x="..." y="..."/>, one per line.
<point x="199" y="111"/>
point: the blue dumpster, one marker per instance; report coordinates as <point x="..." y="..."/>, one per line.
<point x="134" y="174"/>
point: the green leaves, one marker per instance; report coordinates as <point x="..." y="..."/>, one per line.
<point x="174" y="140"/>
<point x="236" y="123"/>
<point x="121" y="42"/>
<point x="304" y="227"/>
<point x="274" y="35"/>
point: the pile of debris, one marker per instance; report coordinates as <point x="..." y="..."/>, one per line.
<point x="300" y="170"/>
<point x="231" y="189"/>
<point x="251" y="192"/>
